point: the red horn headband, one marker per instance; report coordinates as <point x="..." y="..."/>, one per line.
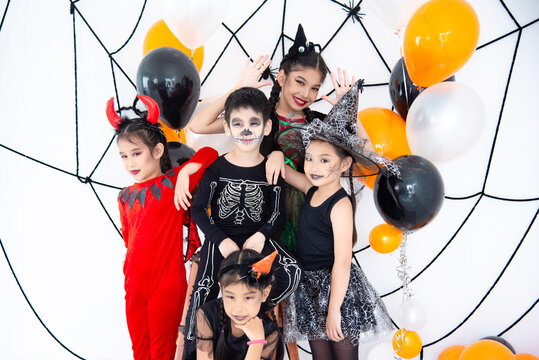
<point x="113" y="117"/>
<point x="153" y="108"/>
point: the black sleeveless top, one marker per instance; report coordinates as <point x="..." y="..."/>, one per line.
<point x="315" y="235"/>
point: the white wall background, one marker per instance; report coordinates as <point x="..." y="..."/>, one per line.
<point x="68" y="256"/>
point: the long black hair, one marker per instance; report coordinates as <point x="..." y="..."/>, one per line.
<point x="236" y="269"/>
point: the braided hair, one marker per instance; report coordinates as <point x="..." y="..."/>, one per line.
<point x="139" y="129"/>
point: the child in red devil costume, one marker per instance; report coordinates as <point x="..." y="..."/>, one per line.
<point x="152" y="215"/>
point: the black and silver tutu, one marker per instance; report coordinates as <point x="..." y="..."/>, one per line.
<point x="364" y="317"/>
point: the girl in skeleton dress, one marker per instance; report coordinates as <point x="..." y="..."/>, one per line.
<point x="301" y="74"/>
<point x="335" y="306"/>
<point x="236" y="208"/>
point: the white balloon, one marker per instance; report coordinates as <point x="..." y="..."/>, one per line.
<point x="444" y="121"/>
<point x="193" y="21"/>
<point x="393" y="13"/>
<point x="412" y="315"/>
<point x="382" y="351"/>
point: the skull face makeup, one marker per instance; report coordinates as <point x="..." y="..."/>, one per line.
<point x="246" y="127"/>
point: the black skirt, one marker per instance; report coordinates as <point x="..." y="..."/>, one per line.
<point x="364" y="317"/>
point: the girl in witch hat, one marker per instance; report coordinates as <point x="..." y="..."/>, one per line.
<point x="335" y="307"/>
<point x="236" y="326"/>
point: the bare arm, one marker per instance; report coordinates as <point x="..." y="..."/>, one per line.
<point x="254" y="329"/>
<point x="208" y="120"/>
<point x="184" y="184"/>
<point x="297" y="179"/>
<point x="342" y="223"/>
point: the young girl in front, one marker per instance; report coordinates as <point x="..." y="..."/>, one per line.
<point x="152" y="217"/>
<point x="235" y="326"/>
<point x="335" y="307"/>
<point x="301" y="74"/>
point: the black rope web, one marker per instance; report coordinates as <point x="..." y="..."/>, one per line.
<point x="352" y="14"/>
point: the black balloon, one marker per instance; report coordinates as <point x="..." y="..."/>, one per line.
<point x="412" y="199"/>
<point x="501" y="341"/>
<point x="402" y="90"/>
<point x="179" y="153"/>
<point x="171" y="78"/>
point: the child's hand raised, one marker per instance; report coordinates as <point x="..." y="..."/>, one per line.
<point x="251" y="72"/>
<point x="333" y="325"/>
<point x="254" y="329"/>
<point x="340" y="87"/>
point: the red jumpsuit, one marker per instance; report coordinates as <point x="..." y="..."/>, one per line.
<point x="155" y="281"/>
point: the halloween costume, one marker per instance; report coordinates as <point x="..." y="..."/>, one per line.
<point x="242" y="203"/>
<point x="363" y="313"/>
<point x="155" y="281"/>
<point x="280" y="138"/>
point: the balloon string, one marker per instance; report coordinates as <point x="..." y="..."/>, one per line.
<point x="403" y="67"/>
<point x="403" y="267"/>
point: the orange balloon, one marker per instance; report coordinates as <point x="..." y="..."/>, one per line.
<point x="487" y="350"/>
<point x="386" y="130"/>
<point x="160" y="35"/>
<point x="439" y="39"/>
<point x="181" y="133"/>
<point x="385" y="238"/>
<point x="524" y="356"/>
<point x="407" y="343"/>
<point x="170" y="134"/>
<point x="452" y="352"/>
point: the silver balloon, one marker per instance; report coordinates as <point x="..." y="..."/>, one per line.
<point x="412" y="315"/>
<point x="444" y="121"/>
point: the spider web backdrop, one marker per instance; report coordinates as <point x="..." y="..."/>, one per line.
<point x="472" y="267"/>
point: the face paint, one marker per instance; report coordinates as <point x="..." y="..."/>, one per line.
<point x="322" y="164"/>
<point x="246" y="127"/>
<point x="246" y="137"/>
